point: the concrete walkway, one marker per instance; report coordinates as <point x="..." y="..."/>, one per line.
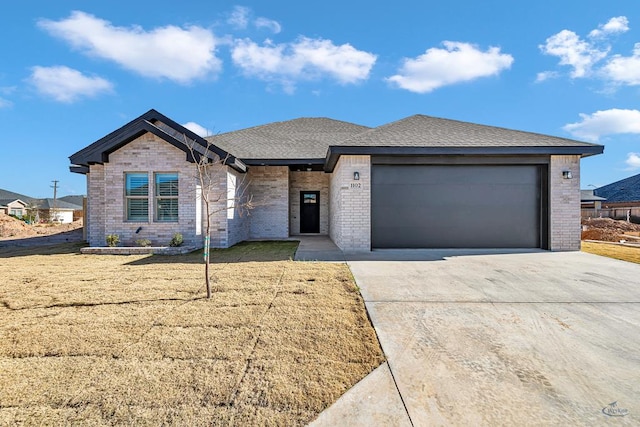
<point x="317" y="248"/>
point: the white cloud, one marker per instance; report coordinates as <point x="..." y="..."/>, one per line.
<point x="178" y="54"/>
<point x="624" y="70"/>
<point x="457" y="62"/>
<point x="583" y="54"/>
<point x="574" y="52"/>
<point x="197" y="129"/>
<point x="606" y="122"/>
<point x="67" y="85"/>
<point x="546" y="75"/>
<point x="5" y="103"/>
<point x="239" y="17"/>
<point x="619" y="24"/>
<point x="269" y="24"/>
<point x="633" y="160"/>
<point x="304" y="59"/>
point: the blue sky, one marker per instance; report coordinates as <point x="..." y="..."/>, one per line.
<point x="73" y="71"/>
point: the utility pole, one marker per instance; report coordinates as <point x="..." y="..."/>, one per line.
<point x="53" y="212"/>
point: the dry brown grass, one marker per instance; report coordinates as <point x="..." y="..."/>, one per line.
<point x="624" y="253"/>
<point x="103" y="340"/>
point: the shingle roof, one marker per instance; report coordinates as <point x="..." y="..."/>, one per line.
<point x="304" y="138"/>
<point x="322" y="141"/>
<point x="157" y="124"/>
<point x="59" y="204"/>
<point x="625" y="190"/>
<point x="5" y="202"/>
<point x="75" y="200"/>
<point x="426" y="131"/>
<point x="588" y="196"/>
<point x="5" y="194"/>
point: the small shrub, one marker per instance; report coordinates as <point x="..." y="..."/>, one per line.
<point x="113" y="240"/>
<point x="177" y="240"/>
<point x="143" y="242"/>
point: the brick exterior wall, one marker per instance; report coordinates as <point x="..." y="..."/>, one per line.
<point x="96" y="188"/>
<point x="269" y="188"/>
<point x="217" y="188"/>
<point x="350" y="204"/>
<point x="308" y="181"/>
<point x="564" y="204"/>
<point x="238" y="218"/>
<point x="106" y="206"/>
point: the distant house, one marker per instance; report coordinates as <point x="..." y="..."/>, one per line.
<point x="589" y="200"/>
<point x="621" y="194"/>
<point x="78" y="201"/>
<point x="64" y="210"/>
<point x="50" y="210"/>
<point x="420" y="182"/>
<point x="14" y="203"/>
<point x="14" y="207"/>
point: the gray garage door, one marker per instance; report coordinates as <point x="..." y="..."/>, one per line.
<point x="423" y="206"/>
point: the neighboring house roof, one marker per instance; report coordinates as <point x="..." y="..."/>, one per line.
<point x="5" y="195"/>
<point x="5" y="202"/>
<point x="304" y="138"/>
<point x="59" y="204"/>
<point x="75" y="200"/>
<point x="588" y="196"/>
<point x="159" y="125"/>
<point x="625" y="190"/>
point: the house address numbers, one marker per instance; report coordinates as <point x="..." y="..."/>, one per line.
<point x="356" y="185"/>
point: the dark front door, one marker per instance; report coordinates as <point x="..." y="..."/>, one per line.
<point x="309" y="211"/>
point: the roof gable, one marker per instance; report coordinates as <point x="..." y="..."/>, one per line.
<point x="157" y="124"/>
<point x="625" y="190"/>
<point x="7" y="202"/>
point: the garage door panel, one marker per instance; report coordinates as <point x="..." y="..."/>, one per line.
<point x="422" y="206"/>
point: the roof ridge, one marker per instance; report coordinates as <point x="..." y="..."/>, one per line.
<point x="467" y="123"/>
<point x="210" y="138"/>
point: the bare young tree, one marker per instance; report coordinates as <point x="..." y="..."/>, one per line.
<point x="210" y="172"/>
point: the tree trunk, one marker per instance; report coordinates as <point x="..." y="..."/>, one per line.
<point x="206" y="265"/>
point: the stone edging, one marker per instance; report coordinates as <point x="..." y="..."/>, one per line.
<point x="138" y="250"/>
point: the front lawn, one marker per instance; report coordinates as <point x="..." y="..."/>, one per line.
<point x="625" y="253"/>
<point x="105" y="340"/>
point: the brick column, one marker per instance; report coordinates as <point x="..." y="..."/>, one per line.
<point x="564" y="204"/>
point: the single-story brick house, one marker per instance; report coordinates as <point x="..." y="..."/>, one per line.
<point x="420" y="182"/>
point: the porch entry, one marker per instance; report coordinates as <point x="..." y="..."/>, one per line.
<point x="309" y="212"/>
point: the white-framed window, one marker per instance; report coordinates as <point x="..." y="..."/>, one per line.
<point x="166" y="197"/>
<point x="137" y="196"/>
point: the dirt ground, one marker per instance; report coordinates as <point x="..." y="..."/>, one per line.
<point x="113" y="340"/>
<point x="12" y="228"/>
<point x="609" y="230"/>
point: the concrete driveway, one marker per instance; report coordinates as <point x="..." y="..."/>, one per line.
<point x="490" y="338"/>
